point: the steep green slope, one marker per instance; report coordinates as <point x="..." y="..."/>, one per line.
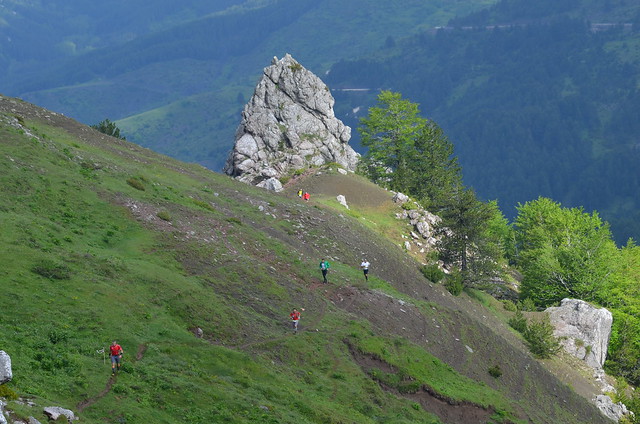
<point x="106" y="240"/>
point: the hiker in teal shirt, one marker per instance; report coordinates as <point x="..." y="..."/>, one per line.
<point x="324" y="267"/>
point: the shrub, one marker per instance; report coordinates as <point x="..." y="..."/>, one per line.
<point x="518" y="322"/>
<point x="108" y="127"/>
<point x="527" y="305"/>
<point x="234" y="220"/>
<point x="409" y="387"/>
<point x="295" y="67"/>
<point x="52" y="270"/>
<point x="495" y="371"/>
<point x="204" y="205"/>
<point x="136" y="183"/>
<point x="453" y="284"/>
<point x="285" y="179"/>
<point x="164" y="215"/>
<point x="540" y="339"/>
<point x="7" y="393"/>
<point x="509" y="305"/>
<point x="432" y="272"/>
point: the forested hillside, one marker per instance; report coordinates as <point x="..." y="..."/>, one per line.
<point x="541" y="106"/>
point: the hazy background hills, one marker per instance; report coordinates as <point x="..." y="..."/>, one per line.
<point x="544" y="105"/>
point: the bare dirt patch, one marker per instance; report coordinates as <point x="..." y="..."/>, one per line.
<point x="448" y="410"/>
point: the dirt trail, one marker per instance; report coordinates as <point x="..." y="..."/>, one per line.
<point x="112" y="379"/>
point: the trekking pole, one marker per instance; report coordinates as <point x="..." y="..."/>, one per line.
<point x="104" y="359"/>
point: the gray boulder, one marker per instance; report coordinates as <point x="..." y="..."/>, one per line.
<point x="611" y="410"/>
<point x="288" y="124"/>
<point x="55" y="412"/>
<point x="5" y="367"/>
<point x="583" y="330"/>
<point x="400" y="198"/>
<point x="342" y="200"/>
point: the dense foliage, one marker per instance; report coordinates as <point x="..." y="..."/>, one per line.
<point x="108" y="127"/>
<point x="563" y="252"/>
<point x="567" y="252"/>
<point x="542" y="108"/>
<point x="411" y="154"/>
<point x="407" y="152"/>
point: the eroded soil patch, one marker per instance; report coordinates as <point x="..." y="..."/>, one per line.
<point x="448" y="411"/>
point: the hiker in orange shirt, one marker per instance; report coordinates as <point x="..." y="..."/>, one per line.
<point x="115" y="351"/>
<point x="295" y="318"/>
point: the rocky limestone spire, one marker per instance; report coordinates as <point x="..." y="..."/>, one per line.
<point x="288" y="124"/>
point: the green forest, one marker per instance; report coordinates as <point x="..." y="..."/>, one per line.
<point x="544" y="109"/>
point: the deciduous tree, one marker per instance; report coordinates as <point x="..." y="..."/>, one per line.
<point x="563" y="252"/>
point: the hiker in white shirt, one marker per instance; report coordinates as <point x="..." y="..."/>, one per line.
<point x="365" y="268"/>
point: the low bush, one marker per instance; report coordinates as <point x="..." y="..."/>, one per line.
<point x="540" y="339"/>
<point x="52" y="270"/>
<point x="509" y="305"/>
<point x="136" y="183"/>
<point x="495" y="371"/>
<point x="518" y="322"/>
<point x="164" y="215"/>
<point x="7" y="393"/>
<point x="527" y="305"/>
<point x="432" y="272"/>
<point x="453" y="283"/>
<point x="204" y="205"/>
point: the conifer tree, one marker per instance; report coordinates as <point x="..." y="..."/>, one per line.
<point x="407" y="152"/>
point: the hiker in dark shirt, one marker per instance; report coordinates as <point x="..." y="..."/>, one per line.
<point x="324" y="267"/>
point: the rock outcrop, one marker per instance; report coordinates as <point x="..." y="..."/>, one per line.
<point x="55" y="412"/>
<point x="423" y="221"/>
<point x="614" y="411"/>
<point x="288" y="124"/>
<point x="584" y="330"/>
<point x="5" y="367"/>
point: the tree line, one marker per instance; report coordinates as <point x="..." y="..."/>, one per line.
<point x="560" y="252"/>
<point x="543" y="109"/>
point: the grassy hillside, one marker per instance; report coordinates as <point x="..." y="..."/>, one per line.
<point x="106" y="240"/>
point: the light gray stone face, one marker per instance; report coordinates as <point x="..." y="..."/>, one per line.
<point x="342" y="200"/>
<point x="584" y="330"/>
<point x="5" y="367"/>
<point x="614" y="411"/>
<point x="54" y="412"/>
<point x="288" y="124"/>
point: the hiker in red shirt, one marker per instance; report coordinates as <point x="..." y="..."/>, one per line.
<point x="115" y="351"/>
<point x="295" y="317"/>
<point x="306" y="196"/>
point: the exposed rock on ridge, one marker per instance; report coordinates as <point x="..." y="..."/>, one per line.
<point x="584" y="330"/>
<point x="288" y="124"/>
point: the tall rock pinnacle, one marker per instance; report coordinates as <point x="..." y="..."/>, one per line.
<point x="288" y="125"/>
